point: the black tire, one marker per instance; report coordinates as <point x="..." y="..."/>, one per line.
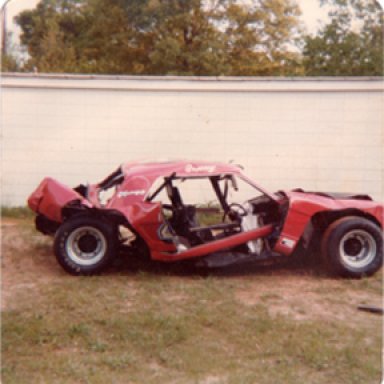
<point x="85" y="245"/>
<point x="353" y="247"/>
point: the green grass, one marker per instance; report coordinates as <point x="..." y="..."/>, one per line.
<point x="16" y="212"/>
<point x="157" y="327"/>
<point x="95" y="330"/>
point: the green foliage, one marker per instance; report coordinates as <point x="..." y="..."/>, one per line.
<point x="351" y="44"/>
<point x="194" y="37"/>
<point x="186" y="42"/>
<point x="200" y="37"/>
<point x="260" y="38"/>
<point x="9" y="63"/>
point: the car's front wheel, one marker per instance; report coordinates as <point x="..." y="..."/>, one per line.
<point x="85" y="245"/>
<point x="353" y="247"/>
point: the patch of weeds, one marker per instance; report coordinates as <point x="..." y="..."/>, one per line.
<point x="207" y="219"/>
<point x="28" y="331"/>
<point x="78" y="330"/>
<point x="269" y="297"/>
<point x="17" y="212"/>
<point x="97" y="346"/>
<point x="122" y="361"/>
<point x="148" y="331"/>
<point x="372" y="284"/>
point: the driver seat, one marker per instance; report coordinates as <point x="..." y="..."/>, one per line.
<point x="175" y="198"/>
<point x="183" y="217"/>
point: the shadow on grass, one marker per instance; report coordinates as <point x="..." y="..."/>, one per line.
<point x="301" y="264"/>
<point x="295" y="266"/>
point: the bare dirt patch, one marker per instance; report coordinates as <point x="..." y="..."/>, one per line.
<point x="311" y="298"/>
<point x="27" y="262"/>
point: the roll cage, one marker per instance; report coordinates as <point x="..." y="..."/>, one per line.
<point x="183" y="220"/>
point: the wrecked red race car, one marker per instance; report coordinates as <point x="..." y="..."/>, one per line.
<point x="206" y="212"/>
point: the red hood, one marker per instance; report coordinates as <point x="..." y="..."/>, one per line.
<point x="50" y="196"/>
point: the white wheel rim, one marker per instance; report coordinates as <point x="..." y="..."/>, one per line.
<point x="86" y="246"/>
<point x="357" y="249"/>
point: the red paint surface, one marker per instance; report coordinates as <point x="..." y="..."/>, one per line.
<point x="302" y="206"/>
<point x="51" y="196"/>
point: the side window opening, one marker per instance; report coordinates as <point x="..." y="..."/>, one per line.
<point x="196" y="192"/>
<point x="199" y="193"/>
<point x="239" y="190"/>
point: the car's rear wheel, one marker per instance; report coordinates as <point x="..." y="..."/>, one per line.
<point x="353" y="247"/>
<point x="85" y="245"/>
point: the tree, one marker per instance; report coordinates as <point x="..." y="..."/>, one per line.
<point x="351" y="44"/>
<point x="151" y="37"/>
<point x="56" y="54"/>
<point x="261" y="38"/>
<point x="183" y="37"/>
<point x="185" y="41"/>
<point x="49" y="32"/>
<point x="9" y="62"/>
<point x="109" y="42"/>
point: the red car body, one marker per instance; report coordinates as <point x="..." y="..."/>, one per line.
<point x="284" y="219"/>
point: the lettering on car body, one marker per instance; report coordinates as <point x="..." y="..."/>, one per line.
<point x="138" y="192"/>
<point x="202" y="168"/>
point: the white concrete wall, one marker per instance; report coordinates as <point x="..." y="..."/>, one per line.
<point x="318" y="134"/>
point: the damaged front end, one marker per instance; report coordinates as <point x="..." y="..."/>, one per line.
<point x="49" y="200"/>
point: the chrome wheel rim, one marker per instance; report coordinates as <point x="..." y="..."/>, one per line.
<point x="86" y="246"/>
<point x="357" y="249"/>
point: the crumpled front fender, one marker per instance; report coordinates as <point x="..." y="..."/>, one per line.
<point x="51" y="196"/>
